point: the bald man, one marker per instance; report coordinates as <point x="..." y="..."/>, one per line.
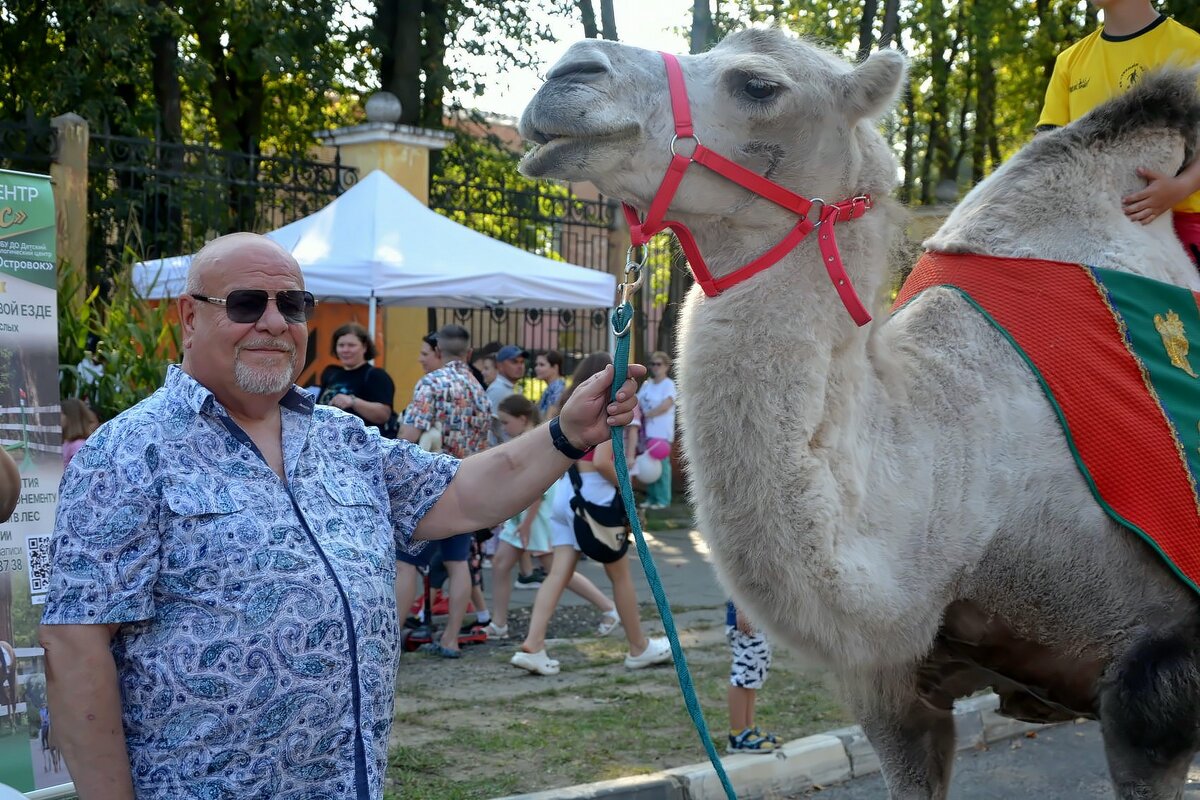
<point x="221" y="620"/>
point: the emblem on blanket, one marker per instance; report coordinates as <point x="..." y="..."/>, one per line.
<point x="1111" y="351"/>
<point x="1170" y="327"/>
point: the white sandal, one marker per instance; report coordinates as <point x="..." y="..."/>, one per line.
<point x="538" y="663"/>
<point x="608" y="623"/>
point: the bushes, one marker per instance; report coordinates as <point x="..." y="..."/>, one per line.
<point x="135" y="340"/>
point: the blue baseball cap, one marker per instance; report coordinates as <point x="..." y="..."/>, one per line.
<point x="510" y="351"/>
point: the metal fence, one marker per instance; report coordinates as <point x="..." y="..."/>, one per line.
<point x="546" y="218"/>
<point x="27" y="146"/>
<point x="156" y="199"/>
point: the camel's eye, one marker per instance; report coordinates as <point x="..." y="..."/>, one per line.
<point x="759" y="89"/>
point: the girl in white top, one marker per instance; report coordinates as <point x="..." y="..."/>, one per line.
<point x="656" y="398"/>
<point x="599" y="485"/>
<point x="530" y="531"/>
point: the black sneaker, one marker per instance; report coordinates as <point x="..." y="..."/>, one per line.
<point x="531" y="581"/>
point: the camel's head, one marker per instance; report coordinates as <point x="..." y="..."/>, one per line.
<point x="774" y="104"/>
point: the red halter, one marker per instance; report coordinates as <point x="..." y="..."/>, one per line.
<point x="641" y="231"/>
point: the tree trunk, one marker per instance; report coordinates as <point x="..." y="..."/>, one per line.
<point x="939" y="71"/>
<point x="397" y="34"/>
<point x="890" y="33"/>
<point x="433" y="62"/>
<point x="587" y="15"/>
<point x="608" y="20"/>
<point x="164" y="52"/>
<point x="985" y="104"/>
<point x="866" y="29"/>
<point x="910" y="145"/>
<point x="704" y="33"/>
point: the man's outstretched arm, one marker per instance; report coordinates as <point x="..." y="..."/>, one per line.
<point x="499" y="482"/>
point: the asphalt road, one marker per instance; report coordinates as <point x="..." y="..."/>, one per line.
<point x="1061" y="763"/>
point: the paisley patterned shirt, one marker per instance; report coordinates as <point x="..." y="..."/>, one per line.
<point x="258" y="641"/>
<point x="453" y="397"/>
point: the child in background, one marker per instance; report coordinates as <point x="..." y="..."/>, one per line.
<point x="529" y="532"/>
<point x="78" y="423"/>
<point x="751" y="658"/>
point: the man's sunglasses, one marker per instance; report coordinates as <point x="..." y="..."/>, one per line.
<point x="248" y="305"/>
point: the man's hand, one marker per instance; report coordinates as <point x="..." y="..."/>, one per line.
<point x="586" y="417"/>
<point x="1162" y="193"/>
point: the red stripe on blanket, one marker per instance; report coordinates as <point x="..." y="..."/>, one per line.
<point x="1060" y="318"/>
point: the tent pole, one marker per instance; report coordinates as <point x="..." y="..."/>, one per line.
<point x="371" y="316"/>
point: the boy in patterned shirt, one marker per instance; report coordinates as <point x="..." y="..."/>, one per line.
<point x="449" y="397"/>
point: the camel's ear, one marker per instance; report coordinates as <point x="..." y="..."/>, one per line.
<point x="870" y="89"/>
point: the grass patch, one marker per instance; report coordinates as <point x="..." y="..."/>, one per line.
<point x="595" y="721"/>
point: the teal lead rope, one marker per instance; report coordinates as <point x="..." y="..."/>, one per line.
<point x="622" y="318"/>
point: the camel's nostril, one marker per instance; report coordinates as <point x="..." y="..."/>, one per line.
<point x="579" y="71"/>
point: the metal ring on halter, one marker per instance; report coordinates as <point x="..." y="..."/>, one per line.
<point x="809" y="216"/>
<point x="677" y="137"/>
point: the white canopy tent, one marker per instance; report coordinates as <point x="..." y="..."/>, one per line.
<point x="376" y="243"/>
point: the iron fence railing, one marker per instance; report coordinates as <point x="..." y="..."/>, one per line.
<point x="27" y="146"/>
<point x="163" y="198"/>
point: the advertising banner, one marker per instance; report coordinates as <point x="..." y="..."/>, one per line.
<point x="30" y="430"/>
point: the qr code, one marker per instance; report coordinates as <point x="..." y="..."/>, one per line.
<point x="38" y="549"/>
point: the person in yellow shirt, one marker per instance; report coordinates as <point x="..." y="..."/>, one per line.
<point x="1134" y="39"/>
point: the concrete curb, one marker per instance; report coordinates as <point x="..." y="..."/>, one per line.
<point x="820" y="760"/>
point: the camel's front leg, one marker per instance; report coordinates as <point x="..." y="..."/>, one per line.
<point x="915" y="742"/>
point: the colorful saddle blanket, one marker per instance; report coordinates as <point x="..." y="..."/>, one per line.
<point x="1112" y="352"/>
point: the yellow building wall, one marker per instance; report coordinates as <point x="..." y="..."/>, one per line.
<point x="402" y="328"/>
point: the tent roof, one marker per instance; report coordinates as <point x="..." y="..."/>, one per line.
<point x="377" y="239"/>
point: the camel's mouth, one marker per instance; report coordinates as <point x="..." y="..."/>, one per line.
<point x="551" y="149"/>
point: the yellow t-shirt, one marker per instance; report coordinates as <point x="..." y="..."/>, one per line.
<point x="1100" y="67"/>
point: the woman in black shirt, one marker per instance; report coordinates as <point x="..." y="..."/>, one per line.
<point x="355" y="386"/>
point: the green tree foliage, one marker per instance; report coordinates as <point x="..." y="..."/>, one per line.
<point x="250" y="75"/>
<point x="478" y="185"/>
<point x="136" y="341"/>
<point x="412" y="39"/>
<point x="978" y="71"/>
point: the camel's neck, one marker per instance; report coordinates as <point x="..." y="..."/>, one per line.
<point x="783" y="336"/>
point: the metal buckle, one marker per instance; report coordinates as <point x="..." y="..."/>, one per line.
<point x="634" y="278"/>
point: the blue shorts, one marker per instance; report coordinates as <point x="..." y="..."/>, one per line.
<point x="456" y="548"/>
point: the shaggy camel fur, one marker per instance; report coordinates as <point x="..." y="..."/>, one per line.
<point x="899" y="500"/>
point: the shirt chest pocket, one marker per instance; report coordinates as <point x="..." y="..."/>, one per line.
<point x="355" y="525"/>
<point x="204" y="531"/>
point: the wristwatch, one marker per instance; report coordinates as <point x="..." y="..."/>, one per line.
<point x="562" y="444"/>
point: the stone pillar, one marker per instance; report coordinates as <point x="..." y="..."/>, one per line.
<point x="69" y="174"/>
<point x="401" y="151"/>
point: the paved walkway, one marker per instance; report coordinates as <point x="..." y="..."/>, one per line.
<point x="682" y="561"/>
<point x="1061" y="763"/>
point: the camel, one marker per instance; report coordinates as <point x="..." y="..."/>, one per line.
<point x="897" y="500"/>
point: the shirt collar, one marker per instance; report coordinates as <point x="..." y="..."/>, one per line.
<point x="197" y="396"/>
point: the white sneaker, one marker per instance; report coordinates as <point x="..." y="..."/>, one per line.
<point x="658" y="651"/>
<point x="608" y="622"/>
<point x="495" y="631"/>
<point x="538" y="663"/>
